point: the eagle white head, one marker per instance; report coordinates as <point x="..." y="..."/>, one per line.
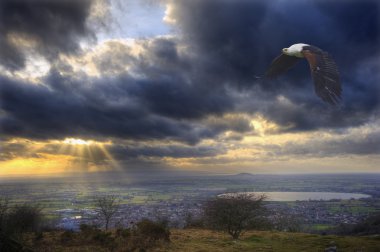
<point x="295" y="50"/>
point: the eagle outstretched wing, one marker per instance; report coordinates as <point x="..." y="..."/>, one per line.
<point x="280" y="65"/>
<point x="325" y="74"/>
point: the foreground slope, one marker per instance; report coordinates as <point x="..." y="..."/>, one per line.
<point x="205" y="240"/>
<point x="201" y="240"/>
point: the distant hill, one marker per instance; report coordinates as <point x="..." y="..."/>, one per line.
<point x="244" y="175"/>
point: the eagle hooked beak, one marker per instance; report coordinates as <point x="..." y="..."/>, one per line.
<point x="284" y="50"/>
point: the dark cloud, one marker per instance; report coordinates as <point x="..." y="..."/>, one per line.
<point x="36" y="111"/>
<point x="237" y="40"/>
<point x="114" y="58"/>
<point x="230" y="122"/>
<point x="101" y="153"/>
<point x="175" y="151"/>
<point x="54" y="26"/>
<point x="172" y="86"/>
<point x="104" y="108"/>
<point x="172" y="99"/>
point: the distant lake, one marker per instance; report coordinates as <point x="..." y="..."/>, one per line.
<point x="302" y="196"/>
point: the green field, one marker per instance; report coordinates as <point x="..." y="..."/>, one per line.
<point x="321" y="227"/>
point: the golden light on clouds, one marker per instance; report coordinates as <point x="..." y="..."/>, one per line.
<point x="22" y="40"/>
<point x="39" y="165"/>
<point x="57" y="156"/>
<point x="36" y="66"/>
<point x="263" y="126"/>
<point x="263" y="148"/>
<point x="107" y="58"/>
<point x="269" y="150"/>
<point x="169" y="13"/>
<point x="99" y="11"/>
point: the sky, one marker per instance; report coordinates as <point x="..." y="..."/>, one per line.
<point x="171" y="85"/>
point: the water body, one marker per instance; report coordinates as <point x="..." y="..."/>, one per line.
<point x="302" y="196"/>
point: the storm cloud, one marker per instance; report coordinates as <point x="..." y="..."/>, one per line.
<point x="49" y="27"/>
<point x="183" y="87"/>
<point x="109" y="108"/>
<point x="237" y="40"/>
<point x="356" y="143"/>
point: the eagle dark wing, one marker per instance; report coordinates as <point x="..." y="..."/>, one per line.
<point x="280" y="65"/>
<point x="325" y="74"/>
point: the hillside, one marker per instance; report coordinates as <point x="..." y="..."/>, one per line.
<point x="205" y="240"/>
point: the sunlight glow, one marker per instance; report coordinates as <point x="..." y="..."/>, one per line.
<point x="56" y="157"/>
<point x="76" y="141"/>
<point x="263" y="126"/>
<point x="88" y="151"/>
<point x="42" y="164"/>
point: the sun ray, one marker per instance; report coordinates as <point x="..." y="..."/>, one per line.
<point x="79" y="155"/>
<point x="89" y="152"/>
<point x="114" y="163"/>
<point x="85" y="152"/>
<point x="63" y="148"/>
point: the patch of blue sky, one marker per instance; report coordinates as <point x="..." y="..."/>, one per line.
<point x="136" y="19"/>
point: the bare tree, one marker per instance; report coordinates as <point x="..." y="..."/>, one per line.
<point x="235" y="213"/>
<point x="107" y="207"/>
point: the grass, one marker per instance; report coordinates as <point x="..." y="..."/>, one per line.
<point x="205" y="240"/>
<point x="201" y="240"/>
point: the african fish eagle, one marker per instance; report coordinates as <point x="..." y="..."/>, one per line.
<point x="323" y="69"/>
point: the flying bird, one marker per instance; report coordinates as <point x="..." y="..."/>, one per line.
<point x="323" y="69"/>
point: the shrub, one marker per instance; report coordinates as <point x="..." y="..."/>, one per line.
<point x="147" y="234"/>
<point x="369" y="226"/>
<point x="67" y="236"/>
<point x="93" y="234"/>
<point x="88" y="230"/>
<point x="24" y="218"/>
<point x="4" y="208"/>
<point x="38" y="236"/>
<point x="194" y="222"/>
<point x="11" y="245"/>
<point x="153" y="231"/>
<point x="123" y="232"/>
<point x="103" y="238"/>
